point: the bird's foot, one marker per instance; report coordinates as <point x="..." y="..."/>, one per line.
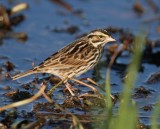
<point x="70" y="88"/>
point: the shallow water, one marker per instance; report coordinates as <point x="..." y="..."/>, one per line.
<point x="43" y="17"/>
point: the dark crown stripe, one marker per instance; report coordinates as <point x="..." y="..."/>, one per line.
<point x="102" y="30"/>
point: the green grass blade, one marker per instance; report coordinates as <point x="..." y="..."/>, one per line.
<point x="127" y="118"/>
<point x="155" y="117"/>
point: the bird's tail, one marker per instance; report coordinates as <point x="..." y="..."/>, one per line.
<point x="29" y="72"/>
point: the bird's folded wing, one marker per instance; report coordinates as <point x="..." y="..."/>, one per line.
<point x="61" y="63"/>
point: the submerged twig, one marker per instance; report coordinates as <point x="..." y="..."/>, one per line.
<point x="65" y="5"/>
<point x="119" y="49"/>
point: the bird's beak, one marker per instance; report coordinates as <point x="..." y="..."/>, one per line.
<point x="111" y="39"/>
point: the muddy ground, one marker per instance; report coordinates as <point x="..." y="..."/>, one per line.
<point x="29" y="36"/>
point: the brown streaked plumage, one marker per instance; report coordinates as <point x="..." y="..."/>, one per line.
<point x="75" y="58"/>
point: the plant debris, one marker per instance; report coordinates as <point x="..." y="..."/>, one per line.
<point x="138" y="8"/>
<point x="71" y="29"/>
<point x="142" y="92"/>
<point x="10" y="18"/>
<point x="153" y="78"/>
<point x="9" y="66"/>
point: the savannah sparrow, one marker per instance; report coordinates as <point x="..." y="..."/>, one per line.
<point x="75" y="58"/>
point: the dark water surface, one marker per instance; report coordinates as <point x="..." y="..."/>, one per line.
<point x="43" y="17"/>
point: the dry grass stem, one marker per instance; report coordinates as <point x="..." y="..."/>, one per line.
<point x="23" y="102"/>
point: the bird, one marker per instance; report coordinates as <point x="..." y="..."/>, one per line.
<point x="74" y="59"/>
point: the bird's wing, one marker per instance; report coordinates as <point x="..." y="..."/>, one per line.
<point x="61" y="63"/>
<point x="65" y="58"/>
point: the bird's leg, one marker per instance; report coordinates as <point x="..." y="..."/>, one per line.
<point x="90" y="80"/>
<point x="85" y="84"/>
<point x="69" y="88"/>
<point x="54" y="87"/>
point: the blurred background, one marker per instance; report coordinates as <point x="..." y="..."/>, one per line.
<point x="36" y="29"/>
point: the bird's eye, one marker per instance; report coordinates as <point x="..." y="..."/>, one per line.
<point x="101" y="36"/>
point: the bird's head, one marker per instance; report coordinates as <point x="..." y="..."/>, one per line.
<point x="99" y="37"/>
